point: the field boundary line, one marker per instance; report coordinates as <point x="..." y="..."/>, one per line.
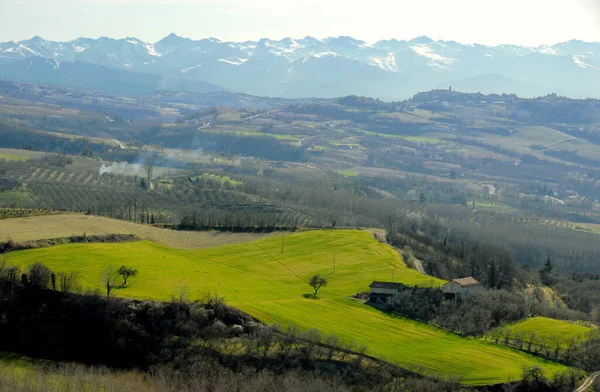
<point x="285" y="266"/>
<point x="204" y="258"/>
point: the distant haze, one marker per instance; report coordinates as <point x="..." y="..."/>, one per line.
<point x="490" y="22"/>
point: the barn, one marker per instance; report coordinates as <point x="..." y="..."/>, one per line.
<point x="384" y="293"/>
<point x="461" y="287"/>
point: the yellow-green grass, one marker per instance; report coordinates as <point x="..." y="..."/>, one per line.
<point x="13" y="157"/>
<point x="14" y="154"/>
<point x="348" y="173"/>
<point x="216" y="177"/>
<point x="270" y="285"/>
<point x="550" y="329"/>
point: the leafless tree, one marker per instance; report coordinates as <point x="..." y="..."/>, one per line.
<point x="181" y="292"/>
<point x="67" y="281"/>
<point x="108" y="279"/>
<point x="12" y="274"/>
<point x="332" y="342"/>
<point x="265" y="338"/>
<point x="519" y="338"/>
<point x="531" y="340"/>
<point x="149" y="163"/>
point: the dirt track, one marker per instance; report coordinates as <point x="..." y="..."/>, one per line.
<point x="588" y="382"/>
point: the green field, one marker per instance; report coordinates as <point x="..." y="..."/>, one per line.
<point x="546" y="328"/>
<point x="257" y="278"/>
<point x="348" y="173"/>
<point x="13" y="157"/>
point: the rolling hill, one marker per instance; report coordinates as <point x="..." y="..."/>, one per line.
<point x="270" y="285"/>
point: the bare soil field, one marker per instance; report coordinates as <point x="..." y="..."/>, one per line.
<point x="64" y="225"/>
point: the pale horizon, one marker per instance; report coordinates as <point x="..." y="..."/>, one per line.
<point x="491" y="23"/>
<point x="295" y="38"/>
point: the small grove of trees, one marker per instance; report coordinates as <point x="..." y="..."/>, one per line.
<point x="316" y="282"/>
<point x="535" y="379"/>
<point x="36" y="276"/>
<point x="555" y="348"/>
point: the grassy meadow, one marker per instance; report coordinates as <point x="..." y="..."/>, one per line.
<point x="12" y="157"/>
<point x="270" y="285"/>
<point x="12" y="154"/>
<point x="549" y="329"/>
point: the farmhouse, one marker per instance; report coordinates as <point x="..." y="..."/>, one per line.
<point x="384" y="293"/>
<point x="461" y="287"/>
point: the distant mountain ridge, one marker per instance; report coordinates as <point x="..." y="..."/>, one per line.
<point x="332" y="67"/>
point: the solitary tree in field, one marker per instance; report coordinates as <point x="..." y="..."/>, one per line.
<point x="67" y="281"/>
<point x="316" y="283"/>
<point x="126" y="273"/>
<point x="108" y="280"/>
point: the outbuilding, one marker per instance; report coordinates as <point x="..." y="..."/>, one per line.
<point x="384" y="293"/>
<point x="461" y="287"/>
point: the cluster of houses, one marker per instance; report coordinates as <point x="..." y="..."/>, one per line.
<point x="386" y="293"/>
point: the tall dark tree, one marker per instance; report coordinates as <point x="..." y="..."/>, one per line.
<point x="546" y="271"/>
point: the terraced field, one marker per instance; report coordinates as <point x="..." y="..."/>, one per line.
<point x="270" y="285"/>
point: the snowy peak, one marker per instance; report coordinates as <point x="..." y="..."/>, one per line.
<point x="338" y="65"/>
<point x="344" y="41"/>
<point x="422" y="40"/>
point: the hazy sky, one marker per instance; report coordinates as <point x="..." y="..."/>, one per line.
<point x="524" y="22"/>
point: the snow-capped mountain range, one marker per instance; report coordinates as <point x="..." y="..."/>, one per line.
<point x="311" y="67"/>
